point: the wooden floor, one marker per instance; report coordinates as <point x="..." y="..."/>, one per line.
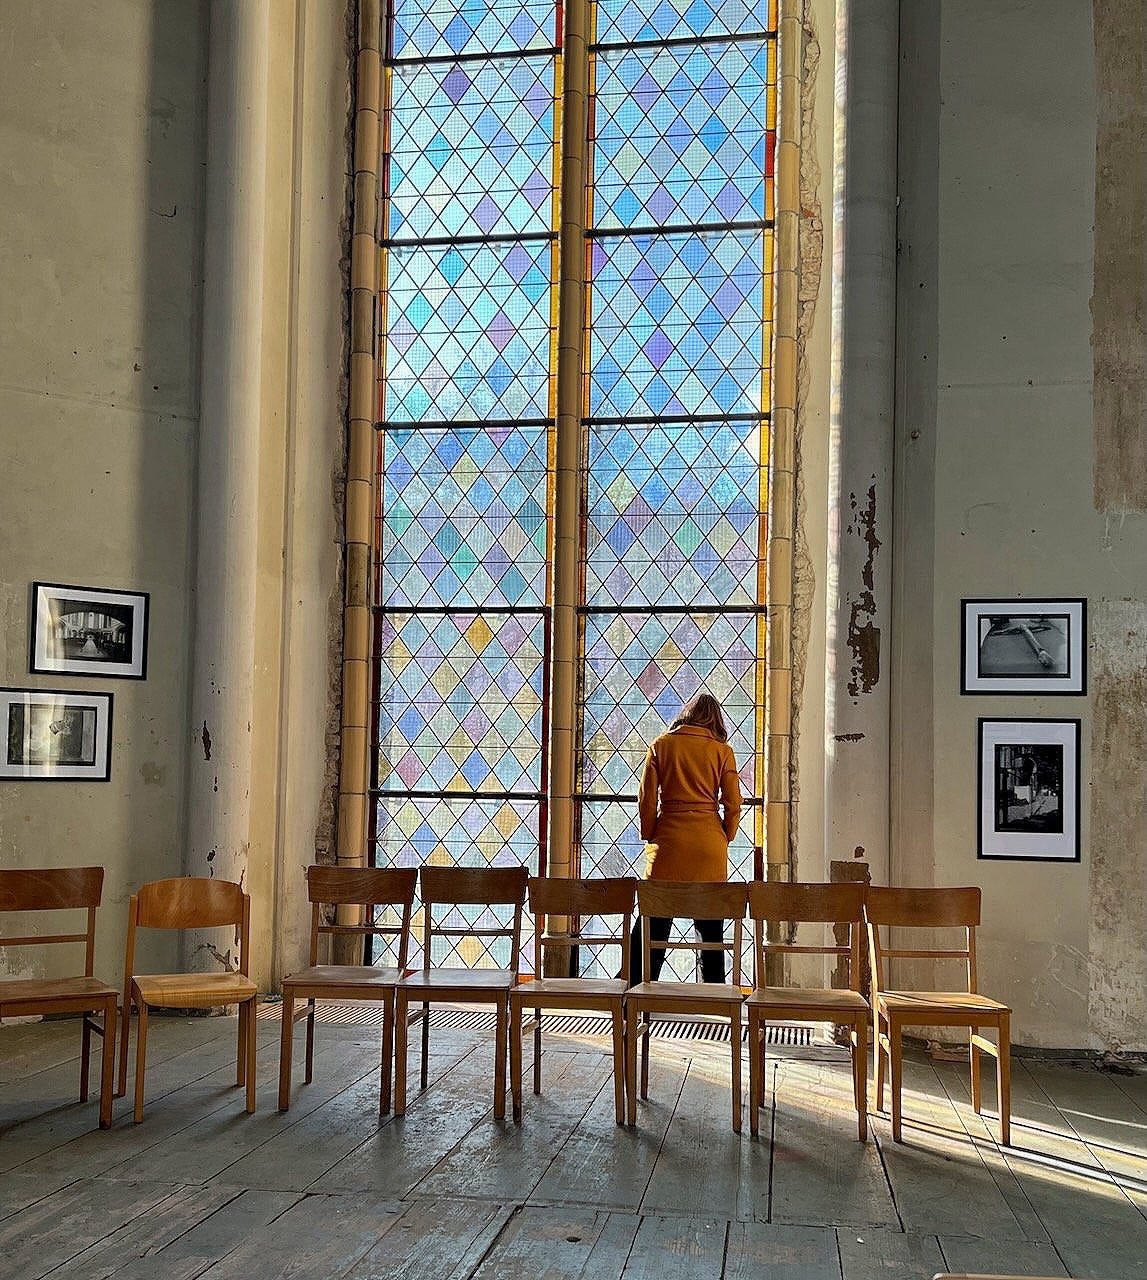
<point x="201" y="1189"/>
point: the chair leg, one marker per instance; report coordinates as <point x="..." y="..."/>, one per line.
<point x="618" y="1066"/>
<point x="735" y="1047"/>
<point x="516" y="1059"/>
<point x="286" y="1048"/>
<point x="140" y="1059"/>
<point x="756" y="1070"/>
<point x="251" y="1043"/>
<point x="895" y="1072"/>
<point x="309" y="1073"/>
<point x="860" y="1075"/>
<point x="501" y="1020"/>
<point x="386" y="1066"/>
<point x="401" y="1014"/>
<point x="645" y="1024"/>
<point x="632" y="1020"/>
<point x="424" y="1069"/>
<point x="241" y="1046"/>
<point x="538" y="1051"/>
<point x="85" y="1056"/>
<point x="1004" y="1077"/>
<point x="879" y="1030"/>
<point x="108" y="1066"/>
<point x="125" y="1027"/>
<point x="975" y="1054"/>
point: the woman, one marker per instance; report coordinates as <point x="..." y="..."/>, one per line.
<point x="689" y="804"/>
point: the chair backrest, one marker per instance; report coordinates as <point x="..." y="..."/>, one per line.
<point x="696" y="900"/>
<point x="368" y="887"/>
<point x="930" y="908"/>
<point x="54" y="889"/>
<point x="451" y="887"/>
<point x="576" y="900"/>
<point x="187" y="902"/>
<point x="795" y="903"/>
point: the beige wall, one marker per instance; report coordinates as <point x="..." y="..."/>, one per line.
<point x="101" y="148"/>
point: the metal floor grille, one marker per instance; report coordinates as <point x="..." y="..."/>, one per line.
<point x="366" y="1014"/>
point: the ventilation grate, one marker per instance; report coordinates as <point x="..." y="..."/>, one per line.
<point x="675" y="1028"/>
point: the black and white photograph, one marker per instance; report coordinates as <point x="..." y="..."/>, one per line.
<point x="89" y="631"/>
<point x="1029" y="790"/>
<point x="56" y="735"/>
<point x="1023" y="646"/>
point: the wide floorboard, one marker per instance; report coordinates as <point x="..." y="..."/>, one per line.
<point x="200" y="1189"/>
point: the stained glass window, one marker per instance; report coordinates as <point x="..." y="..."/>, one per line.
<point x="674" y="423"/>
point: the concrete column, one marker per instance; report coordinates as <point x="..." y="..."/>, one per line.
<point x="861" y="444"/>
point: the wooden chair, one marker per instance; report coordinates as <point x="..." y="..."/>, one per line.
<point x="895" y="1009"/>
<point x="188" y="902"/>
<point x="368" y="887"/>
<point x="836" y="904"/>
<point x="64" y="889"/>
<point x="573" y="899"/>
<point x="450" y="887"/>
<point x="715" y="901"/>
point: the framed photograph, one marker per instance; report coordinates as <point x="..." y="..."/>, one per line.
<point x="57" y="735"/>
<point x="1023" y="646"/>
<point x="87" y="631"/>
<point x="1029" y="790"/>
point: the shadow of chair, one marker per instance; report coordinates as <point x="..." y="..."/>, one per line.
<point x="188" y="902"/>
<point x="451" y="888"/>
<point x="64" y="889"/>
<point x="370" y="888"/>
<point x="896" y="1009"/>
<point x="701" y="901"/>
<point x="573" y="900"/>
<point x="795" y="904"/>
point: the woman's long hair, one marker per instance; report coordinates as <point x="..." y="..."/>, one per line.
<point x="704" y="711"/>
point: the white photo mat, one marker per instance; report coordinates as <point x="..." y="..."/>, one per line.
<point x="1023" y="646"/>
<point x="55" y="735"/>
<point x="1028" y="790"/>
<point x="89" y="631"/>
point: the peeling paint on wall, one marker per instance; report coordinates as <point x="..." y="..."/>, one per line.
<point x="1117" y="970"/>
<point x="1119" y="299"/>
<point x="863" y="635"/>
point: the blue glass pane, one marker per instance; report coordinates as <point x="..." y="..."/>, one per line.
<point x="438" y="28"/>
<point x="677" y="325"/>
<point x="472" y="149"/>
<point x="468" y="333"/>
<point x="673" y="514"/>
<point x="619" y="21"/>
<point x="680" y="136"/>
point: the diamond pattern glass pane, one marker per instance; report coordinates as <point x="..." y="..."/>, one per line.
<point x="468" y="333"/>
<point x="441" y="28"/>
<point x="620" y="21"/>
<point x="639" y="670"/>
<point x="472" y="149"/>
<point x="673" y="514"/>
<point x="681" y="137"/>
<point x="677" y="325"/>
<point x="464" y="516"/>
<point x="461" y="703"/>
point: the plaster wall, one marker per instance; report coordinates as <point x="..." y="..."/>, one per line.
<point x="998" y="444"/>
<point x="101" y="139"/>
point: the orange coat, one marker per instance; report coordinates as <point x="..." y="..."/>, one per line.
<point x="688" y="772"/>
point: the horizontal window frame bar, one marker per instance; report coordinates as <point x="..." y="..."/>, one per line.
<point x="447" y="59"/>
<point x="651" y="610"/>
<point x="452" y="242"/>
<point x="678" y="229"/>
<point x="478" y="611"/>
<point x="462" y="424"/>
<point x="531" y="796"/>
<point x="677" y="42"/>
<point x="617" y="797"/>
<point x="674" y="419"/>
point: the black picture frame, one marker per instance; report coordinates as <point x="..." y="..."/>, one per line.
<point x="1024" y="639"/>
<point x="108" y="640"/>
<point x="55" y="735"/>
<point x="1045" y="826"/>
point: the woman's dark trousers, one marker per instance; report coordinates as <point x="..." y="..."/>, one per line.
<point x="712" y="962"/>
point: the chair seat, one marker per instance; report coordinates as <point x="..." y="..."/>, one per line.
<point x="573" y="987"/>
<point x="686" y="991"/>
<point x="956" y="1002"/>
<point x="831" y="999"/>
<point x="27" y="990"/>
<point x="430" y="980"/>
<point x="192" y="990"/>
<point x="344" y="975"/>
